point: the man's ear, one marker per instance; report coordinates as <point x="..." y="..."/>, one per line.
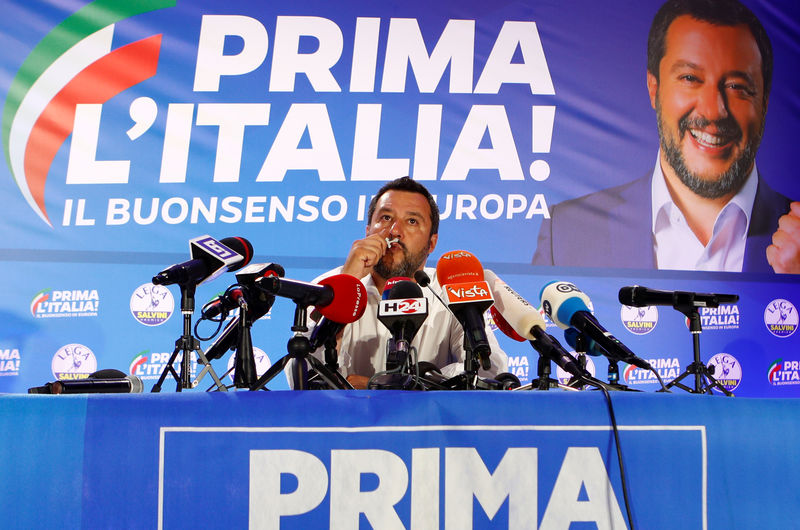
<point x="432" y="243"/>
<point x="652" y="88"/>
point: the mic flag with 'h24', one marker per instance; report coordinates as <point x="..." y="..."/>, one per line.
<point x="461" y="277"/>
<point x="567" y="306"/>
<point x="210" y="258"/>
<point x="402" y="312"/>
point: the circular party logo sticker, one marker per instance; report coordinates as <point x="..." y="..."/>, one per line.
<point x="780" y="317"/>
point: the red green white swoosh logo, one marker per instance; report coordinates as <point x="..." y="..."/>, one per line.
<point x="72" y="65"/>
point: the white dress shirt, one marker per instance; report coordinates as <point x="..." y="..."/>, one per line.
<point x="677" y="247"/>
<point x="440" y="339"/>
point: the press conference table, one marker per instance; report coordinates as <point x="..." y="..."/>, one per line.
<point x="313" y="459"/>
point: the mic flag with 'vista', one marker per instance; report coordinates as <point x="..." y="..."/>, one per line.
<point x="461" y="277"/>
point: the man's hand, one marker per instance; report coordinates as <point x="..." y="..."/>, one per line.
<point x="364" y="254"/>
<point x="784" y="252"/>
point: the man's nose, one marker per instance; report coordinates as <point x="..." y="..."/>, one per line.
<point x="711" y="103"/>
<point x="396" y="228"/>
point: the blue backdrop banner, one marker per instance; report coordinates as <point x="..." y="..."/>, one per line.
<point x="131" y="128"/>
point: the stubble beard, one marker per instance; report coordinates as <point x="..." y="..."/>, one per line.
<point x="406" y="268"/>
<point x="729" y="181"/>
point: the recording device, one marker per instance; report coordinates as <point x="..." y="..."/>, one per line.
<point x="639" y="296"/>
<point x="520" y="321"/>
<point x="567" y="306"/>
<point x="341" y="297"/>
<point x="468" y="296"/>
<point x="100" y="382"/>
<point x="403" y="313"/>
<point x="210" y="258"/>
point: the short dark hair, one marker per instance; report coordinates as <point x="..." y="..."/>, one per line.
<point x="717" y="12"/>
<point x="407" y="184"/>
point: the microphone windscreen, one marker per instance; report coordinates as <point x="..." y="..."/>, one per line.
<point x="405" y="289"/>
<point x="242" y="247"/>
<point x="561" y="300"/>
<point x="514" y="309"/>
<point x="391" y="282"/>
<point x="349" y="298"/>
<point x="422" y="278"/>
<point x="459" y="266"/>
<point x="108" y="373"/>
<point x="503" y="325"/>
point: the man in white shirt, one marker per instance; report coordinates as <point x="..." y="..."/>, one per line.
<point x="708" y="76"/>
<point x="403" y="210"/>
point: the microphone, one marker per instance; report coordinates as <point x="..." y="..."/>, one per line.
<point x="589" y="347"/>
<point x="520" y="315"/>
<point x="210" y="258"/>
<point x="639" y="296"/>
<point x="567" y="306"/>
<point x="503" y="325"/>
<point x="423" y="280"/>
<point x="129" y="384"/>
<point x="231" y="299"/>
<point x="403" y="313"/>
<point x="341" y="297"/>
<point x="519" y="320"/>
<point x="461" y="277"/>
<point x="323" y="331"/>
<point x="255" y="302"/>
<point x="391" y="282"/>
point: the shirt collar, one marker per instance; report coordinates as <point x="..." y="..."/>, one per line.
<point x="662" y="201"/>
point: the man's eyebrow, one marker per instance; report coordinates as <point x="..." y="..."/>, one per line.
<point x="733" y="73"/>
<point x="685" y="64"/>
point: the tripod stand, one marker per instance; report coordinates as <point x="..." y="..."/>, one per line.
<point x="187" y="344"/>
<point x="704" y="380"/>
<point x="299" y="350"/>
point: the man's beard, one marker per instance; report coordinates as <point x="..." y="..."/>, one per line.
<point x="406" y="268"/>
<point x="728" y="182"/>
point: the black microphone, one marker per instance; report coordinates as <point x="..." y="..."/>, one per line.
<point x="403" y="313"/>
<point x="130" y="384"/>
<point x="210" y="258"/>
<point x="423" y="280"/>
<point x="255" y="303"/>
<point x="232" y="299"/>
<point x="325" y="330"/>
<point x="567" y="306"/>
<point x="639" y="296"/>
<point x="550" y="348"/>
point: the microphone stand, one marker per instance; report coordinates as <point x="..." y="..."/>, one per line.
<point x="581" y="347"/>
<point x="299" y="350"/>
<point x="543" y="380"/>
<point x="244" y="372"/>
<point x="704" y="380"/>
<point x="186" y="344"/>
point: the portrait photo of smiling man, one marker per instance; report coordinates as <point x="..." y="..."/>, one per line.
<point x="704" y="206"/>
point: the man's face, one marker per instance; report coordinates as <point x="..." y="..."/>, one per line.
<point x="710" y="105"/>
<point x="406" y="215"/>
